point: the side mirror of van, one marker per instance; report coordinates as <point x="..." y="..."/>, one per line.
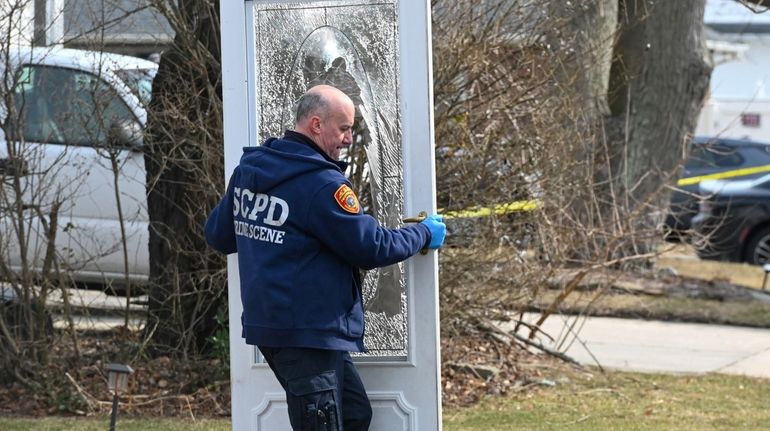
<point x="126" y="134"/>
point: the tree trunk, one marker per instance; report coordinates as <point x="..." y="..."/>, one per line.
<point x="184" y="161"/>
<point x="660" y="77"/>
<point x="624" y="156"/>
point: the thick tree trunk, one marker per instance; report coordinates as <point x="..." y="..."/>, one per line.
<point x="184" y="161"/>
<point x="660" y="76"/>
<point x="624" y="156"/>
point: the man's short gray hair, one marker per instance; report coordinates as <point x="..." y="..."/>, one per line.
<point x="309" y="104"/>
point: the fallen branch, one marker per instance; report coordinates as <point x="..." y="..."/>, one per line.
<point x="89" y="399"/>
<point x="189" y="408"/>
<point x="155" y="400"/>
<point x="539" y="346"/>
<point x="575" y="281"/>
<point x="496" y="330"/>
<point x="556" y="302"/>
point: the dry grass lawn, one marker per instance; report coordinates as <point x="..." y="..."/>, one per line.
<point x="625" y="401"/>
<point x="579" y="401"/>
<point x="684" y="260"/>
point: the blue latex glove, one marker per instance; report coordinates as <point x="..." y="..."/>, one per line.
<point x="437" y="230"/>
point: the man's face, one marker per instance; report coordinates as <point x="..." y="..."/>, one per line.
<point x="337" y="129"/>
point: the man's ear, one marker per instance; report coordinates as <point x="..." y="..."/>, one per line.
<point x="315" y="125"/>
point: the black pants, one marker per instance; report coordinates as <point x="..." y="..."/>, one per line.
<point x="322" y="387"/>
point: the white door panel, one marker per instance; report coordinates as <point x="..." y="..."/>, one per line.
<point x="379" y="53"/>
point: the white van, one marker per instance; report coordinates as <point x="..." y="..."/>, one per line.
<point x="71" y="120"/>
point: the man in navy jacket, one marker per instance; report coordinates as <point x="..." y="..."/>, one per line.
<point x="301" y="237"/>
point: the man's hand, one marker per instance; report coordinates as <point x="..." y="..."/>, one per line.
<point x="437" y="230"/>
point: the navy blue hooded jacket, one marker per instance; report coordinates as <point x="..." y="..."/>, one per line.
<point x="299" y="246"/>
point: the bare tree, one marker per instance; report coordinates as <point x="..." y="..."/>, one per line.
<point x="636" y="117"/>
<point x="658" y="90"/>
<point x="184" y="160"/>
<point x="533" y="106"/>
<point x="56" y="123"/>
<point x="29" y="213"/>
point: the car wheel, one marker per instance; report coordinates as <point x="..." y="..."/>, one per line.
<point x="758" y="247"/>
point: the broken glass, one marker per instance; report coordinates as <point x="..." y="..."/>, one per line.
<point x="352" y="45"/>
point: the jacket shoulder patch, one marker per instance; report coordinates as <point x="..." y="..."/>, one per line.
<point x="347" y="200"/>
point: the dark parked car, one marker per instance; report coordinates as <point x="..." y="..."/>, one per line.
<point x="712" y="158"/>
<point x="734" y="220"/>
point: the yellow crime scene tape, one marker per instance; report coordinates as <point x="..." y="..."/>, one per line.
<point x="479" y="211"/>
<point x="722" y="175"/>
<point x="500" y="209"/>
<point x="532" y="205"/>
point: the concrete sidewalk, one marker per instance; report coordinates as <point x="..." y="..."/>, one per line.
<point x="654" y="346"/>
<point x="91" y="310"/>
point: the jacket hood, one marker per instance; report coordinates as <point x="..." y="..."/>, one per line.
<point x="279" y="160"/>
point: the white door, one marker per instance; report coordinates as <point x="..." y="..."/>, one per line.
<point x="378" y="52"/>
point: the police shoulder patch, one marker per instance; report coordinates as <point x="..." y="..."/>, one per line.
<point x="347" y="199"/>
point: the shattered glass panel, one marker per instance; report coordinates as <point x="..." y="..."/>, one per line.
<point x="352" y="45"/>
